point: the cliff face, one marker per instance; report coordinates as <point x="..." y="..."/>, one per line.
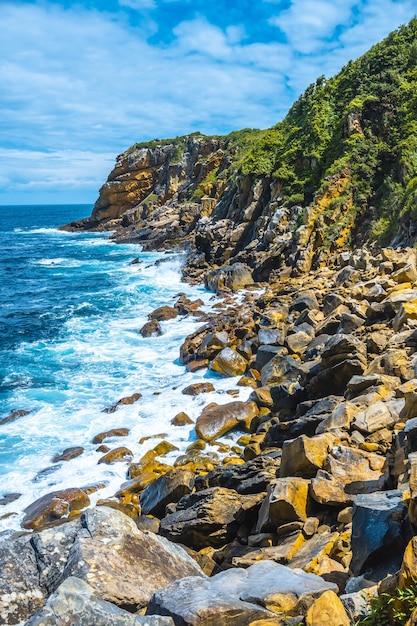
<point x="339" y="171"/>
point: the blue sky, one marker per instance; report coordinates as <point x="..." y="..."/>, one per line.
<point x="80" y="81"/>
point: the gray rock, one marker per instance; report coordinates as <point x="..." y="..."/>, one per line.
<point x="123" y="564"/>
<point x="210" y="517"/>
<point x="76" y="603"/>
<point x="236" y="597"/>
<point x="377" y="527"/>
<point x="21" y="595"/>
<point x="252" y="477"/>
<point x="166" y="489"/>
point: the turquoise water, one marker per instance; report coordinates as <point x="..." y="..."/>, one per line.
<point x="71" y="307"/>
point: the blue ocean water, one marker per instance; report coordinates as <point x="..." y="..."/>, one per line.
<point x="71" y="307"/>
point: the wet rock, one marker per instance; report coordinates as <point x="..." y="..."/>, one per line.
<point x="122" y="564"/>
<point x="108" y="434"/>
<point x="196" y="388"/>
<point x="164" y="313"/>
<point x="127" y="400"/>
<point x="181" y="419"/>
<point x="286" y="501"/>
<point x="68" y="454"/>
<point x="239" y="596"/>
<point x="8" y="498"/>
<point x="118" y="454"/>
<point x="377" y="528"/>
<point x="151" y="329"/>
<point x="14" y="415"/>
<point x="229" y="363"/>
<point x="216" y="420"/>
<point x="75" y="602"/>
<point x="270" y="336"/>
<point x="209" y="518"/>
<point x="54" y="506"/>
<point x="166" y="489"/>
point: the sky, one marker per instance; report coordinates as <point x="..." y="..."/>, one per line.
<point x="82" y="80"/>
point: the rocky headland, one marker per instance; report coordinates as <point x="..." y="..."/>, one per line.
<point x="306" y="231"/>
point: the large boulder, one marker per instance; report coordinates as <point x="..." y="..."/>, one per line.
<point x="303" y="456"/>
<point x="166" y="489"/>
<point x="346" y="473"/>
<point x="286" y="501"/>
<point x="377" y="528"/>
<point x="229" y="363"/>
<point x="216" y="420"/>
<point x="251" y="477"/>
<point x="123" y="564"/>
<point x="75" y="602"/>
<point x="54" y="506"/>
<point x="238" y="597"/>
<point x="21" y="594"/>
<point x="210" y="517"/>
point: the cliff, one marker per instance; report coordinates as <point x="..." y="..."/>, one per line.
<point x="339" y="171"/>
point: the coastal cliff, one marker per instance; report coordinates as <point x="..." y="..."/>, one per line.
<point x="309" y="516"/>
<point x="338" y="172"/>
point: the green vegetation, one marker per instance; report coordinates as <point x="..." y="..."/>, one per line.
<point x="363" y="119"/>
<point x="391" y="610"/>
<point x="359" y="127"/>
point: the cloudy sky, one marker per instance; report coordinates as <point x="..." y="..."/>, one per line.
<point x="82" y="80"/>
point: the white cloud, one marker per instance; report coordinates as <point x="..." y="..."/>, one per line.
<point x="80" y="81"/>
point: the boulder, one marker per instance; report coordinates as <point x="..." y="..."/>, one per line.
<point x="122" y="402"/>
<point x="123" y="564"/>
<point x="166" y="489"/>
<point x="151" y="328"/>
<point x="181" y="419"/>
<point x="212" y="344"/>
<point x="374" y="417"/>
<point x="68" y="454"/>
<point x="377" y="528"/>
<point x="21" y="594"/>
<point x="209" y="517"/>
<point x="164" y="313"/>
<point x="233" y="277"/>
<point x="196" y="388"/>
<point x="251" y="477"/>
<point x="286" y="501"/>
<point x="327" y="609"/>
<point x="346" y="473"/>
<point x="304" y="455"/>
<point x="229" y="363"/>
<point x="216" y="420"/>
<point x="343" y="356"/>
<point x="109" y="434"/>
<point x="114" y="456"/>
<point x="75" y="602"/>
<point x="238" y="597"/>
<point x="54" y="506"/>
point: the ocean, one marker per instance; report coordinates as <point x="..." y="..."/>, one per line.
<point x="71" y="308"/>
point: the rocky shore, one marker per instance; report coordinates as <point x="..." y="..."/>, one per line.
<point x="306" y="516"/>
<point x="313" y="510"/>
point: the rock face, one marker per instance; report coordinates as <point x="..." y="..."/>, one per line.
<point x="107" y="554"/>
<point x="239" y="596"/>
<point x="75" y="602"/>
